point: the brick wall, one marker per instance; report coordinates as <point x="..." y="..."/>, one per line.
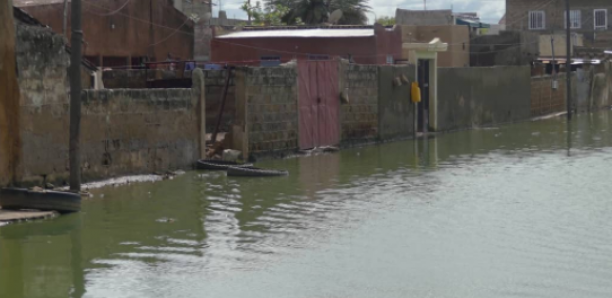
<point x="359" y="117"/>
<point x="270" y="116"/>
<point x="545" y="100"/>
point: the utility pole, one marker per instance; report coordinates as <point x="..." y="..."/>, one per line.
<point x="425" y="4"/>
<point x="75" y="96"/>
<point x="568" y="67"/>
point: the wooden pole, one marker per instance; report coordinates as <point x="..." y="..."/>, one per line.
<point x="75" y="96"/>
<point x="222" y="107"/>
<point x="568" y="71"/>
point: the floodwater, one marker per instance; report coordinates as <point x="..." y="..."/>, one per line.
<point x="522" y="210"/>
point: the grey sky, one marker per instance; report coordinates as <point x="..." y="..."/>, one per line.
<point x="489" y="10"/>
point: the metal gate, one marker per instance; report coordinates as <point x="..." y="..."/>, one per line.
<point x="319" y="104"/>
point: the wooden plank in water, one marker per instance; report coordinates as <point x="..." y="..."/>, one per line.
<point x="13" y="216"/>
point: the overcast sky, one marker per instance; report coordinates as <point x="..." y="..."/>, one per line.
<point x="490" y="11"/>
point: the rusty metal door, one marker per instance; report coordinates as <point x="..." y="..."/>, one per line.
<point x="319" y="104"/>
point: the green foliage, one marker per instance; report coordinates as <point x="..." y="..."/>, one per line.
<point x="261" y="16"/>
<point x="315" y="12"/>
<point x="386" y="21"/>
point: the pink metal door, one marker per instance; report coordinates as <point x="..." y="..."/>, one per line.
<point x="319" y="104"/>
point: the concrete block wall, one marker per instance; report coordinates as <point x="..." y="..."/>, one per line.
<point x="359" y="117"/>
<point x="395" y="107"/>
<point x="271" y="113"/>
<point x="131" y="131"/>
<point x="214" y="80"/>
<point x="42" y="64"/>
<point x="123" y="132"/>
<point x="544" y="99"/>
<point x="472" y="97"/>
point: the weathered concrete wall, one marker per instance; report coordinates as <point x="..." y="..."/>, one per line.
<point x="9" y="97"/>
<point x="268" y="124"/>
<point x="395" y="108"/>
<point x="138" y="131"/>
<point x="507" y="48"/>
<point x="44" y="127"/>
<point x="471" y="97"/>
<point x="123" y="132"/>
<point x="359" y="117"/>
<point x="214" y="79"/>
<point x="546" y="100"/>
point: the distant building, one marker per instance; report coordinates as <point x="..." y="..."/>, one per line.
<point x="122" y="34"/>
<point x="590" y="18"/>
<point x="424" y="17"/>
<point x="361" y="44"/>
<point x="424" y="25"/>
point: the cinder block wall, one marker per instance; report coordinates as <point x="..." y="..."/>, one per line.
<point x="395" y="107"/>
<point x="472" y="97"/>
<point x="271" y="114"/>
<point x="214" y="80"/>
<point x="359" y="117"/>
<point x="138" y="131"/>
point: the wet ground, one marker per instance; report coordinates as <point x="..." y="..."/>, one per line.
<point x="516" y="211"/>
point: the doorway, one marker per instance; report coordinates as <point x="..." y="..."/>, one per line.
<point x="319" y="107"/>
<point x="423" y="77"/>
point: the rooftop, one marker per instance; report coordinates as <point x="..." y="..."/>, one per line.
<point x="302" y="32"/>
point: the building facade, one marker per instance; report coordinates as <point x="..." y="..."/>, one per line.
<point x="122" y="34"/>
<point x="590" y="18"/>
<point x="361" y="44"/>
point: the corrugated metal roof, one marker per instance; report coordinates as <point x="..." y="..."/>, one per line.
<point x="301" y="33"/>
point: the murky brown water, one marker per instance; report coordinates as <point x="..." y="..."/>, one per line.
<point x="505" y="212"/>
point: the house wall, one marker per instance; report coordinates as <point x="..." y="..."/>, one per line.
<point x="517" y="12"/>
<point x="395" y="107"/>
<point x="133" y="34"/>
<point x="9" y="97"/>
<point x="42" y="64"/>
<point x="507" y="48"/>
<point x="457" y="37"/>
<point x="359" y="117"/>
<point x="423" y="17"/>
<point x="122" y="131"/>
<point x="471" y="97"/>
<point x="364" y="50"/>
<point x="267" y="117"/>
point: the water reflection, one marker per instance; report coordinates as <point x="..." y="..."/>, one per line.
<point x="489" y="194"/>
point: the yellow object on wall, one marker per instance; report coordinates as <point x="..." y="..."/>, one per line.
<point x="415" y="92"/>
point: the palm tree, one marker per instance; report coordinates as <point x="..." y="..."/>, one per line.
<point x="314" y="12"/>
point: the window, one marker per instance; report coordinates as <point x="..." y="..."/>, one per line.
<point x="601" y="19"/>
<point x="389" y="59"/>
<point x="575" y="19"/>
<point x="537" y="20"/>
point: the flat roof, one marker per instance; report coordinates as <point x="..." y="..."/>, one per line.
<point x="301" y="33"/>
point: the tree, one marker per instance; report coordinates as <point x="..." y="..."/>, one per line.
<point x="270" y="15"/>
<point x="314" y="12"/>
<point x="386" y="21"/>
